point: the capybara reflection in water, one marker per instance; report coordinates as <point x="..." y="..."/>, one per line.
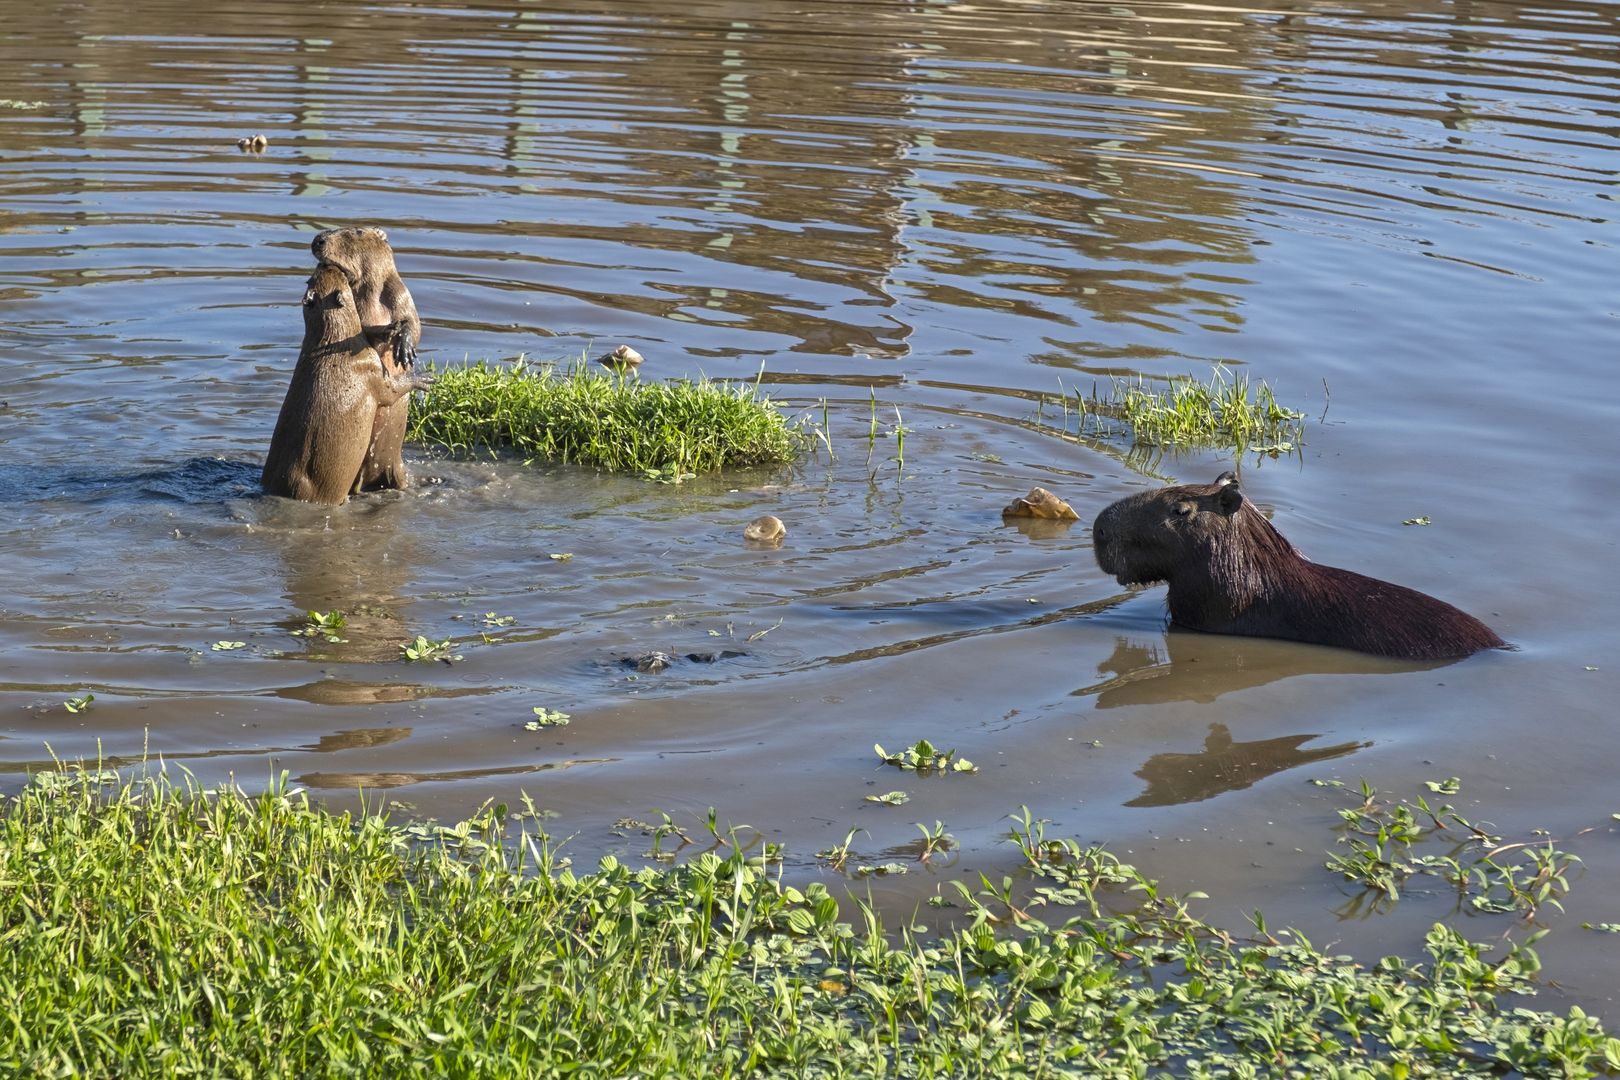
<point x="319" y="447"/>
<point x="1231" y="572"/>
<point x="389" y="317"/>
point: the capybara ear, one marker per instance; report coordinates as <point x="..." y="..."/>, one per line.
<point x="1227" y="477"/>
<point x="1229" y="498"/>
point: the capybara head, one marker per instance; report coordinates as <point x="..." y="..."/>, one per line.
<point x="348" y="245"/>
<point x="1201" y="530"/>
<point x="329" y="313"/>
<point x="363" y="253"/>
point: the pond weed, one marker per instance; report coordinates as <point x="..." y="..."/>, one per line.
<point x="546" y="718"/>
<point x="1226" y="411"/>
<point x="328" y="625"/>
<point x="1380" y="836"/>
<point x="1181" y="413"/>
<point x="925" y="759"/>
<point x="422" y="650"/>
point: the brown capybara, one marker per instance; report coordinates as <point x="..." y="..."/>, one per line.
<point x="318" y="450"/>
<point x="389" y="316"/>
<point x="1231" y="572"/>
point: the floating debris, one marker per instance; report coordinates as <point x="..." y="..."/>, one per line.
<point x="621" y="359"/>
<point x="1040" y="503"/>
<point x="648" y="663"/>
<point x="765" y="530"/>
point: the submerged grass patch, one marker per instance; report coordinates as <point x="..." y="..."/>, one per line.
<point x="1225" y="411"/>
<point x="153" y="930"/>
<point x="583" y="416"/>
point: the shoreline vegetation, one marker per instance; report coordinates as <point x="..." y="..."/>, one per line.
<point x="154" y="928"/>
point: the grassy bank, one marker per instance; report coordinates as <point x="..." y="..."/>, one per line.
<point x="589" y="416"/>
<point x="154" y="931"/>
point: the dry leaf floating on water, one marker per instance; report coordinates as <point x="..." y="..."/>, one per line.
<point x="1040" y="503"/>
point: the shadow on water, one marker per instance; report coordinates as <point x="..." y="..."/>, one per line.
<point x="196" y="481"/>
<point x="1188" y="666"/>
<point x="372" y="780"/>
<point x="357" y="560"/>
<point x="1225" y="765"/>
<point x="350" y="692"/>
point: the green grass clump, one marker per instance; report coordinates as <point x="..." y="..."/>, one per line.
<point x="588" y="417"/>
<point x="150" y="930"/>
<point x="1224" y="412"/>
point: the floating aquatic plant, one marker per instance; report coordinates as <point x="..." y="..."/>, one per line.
<point x="423" y="649"/>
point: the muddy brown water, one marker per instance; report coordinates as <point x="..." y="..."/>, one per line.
<point x="1401" y="215"/>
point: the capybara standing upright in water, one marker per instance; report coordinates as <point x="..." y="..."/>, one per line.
<point x="389" y="316"/>
<point x="1231" y="572"/>
<point x="319" y="446"/>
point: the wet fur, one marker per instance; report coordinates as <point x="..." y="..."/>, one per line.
<point x="388" y="315"/>
<point x="319" y="448"/>
<point x="1231" y="572"/>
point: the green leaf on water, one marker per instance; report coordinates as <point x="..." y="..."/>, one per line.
<point x="544" y="718"/>
<point x="885" y="869"/>
<point x="924" y="757"/>
<point x="423" y="649"/>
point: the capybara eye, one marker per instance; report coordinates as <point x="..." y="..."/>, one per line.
<point x="1184" y="509"/>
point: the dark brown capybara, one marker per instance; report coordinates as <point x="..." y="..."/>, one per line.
<point x="319" y="447"/>
<point x="1231" y="572"/>
<point x="392" y="326"/>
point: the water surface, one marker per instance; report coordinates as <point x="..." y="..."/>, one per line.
<point x="1400" y="215"/>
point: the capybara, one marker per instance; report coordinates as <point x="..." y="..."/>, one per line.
<point x="389" y="316"/>
<point x="319" y="447"/>
<point x="1231" y="572"/>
